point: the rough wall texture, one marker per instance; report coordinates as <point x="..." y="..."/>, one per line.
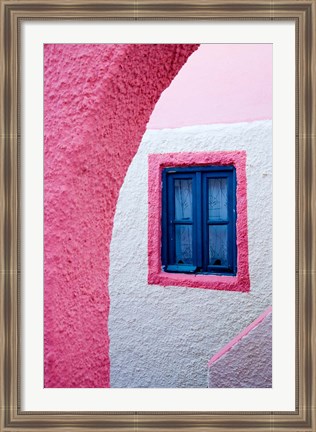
<point x="164" y="336"/>
<point x="98" y="99"/>
<point x="248" y="362"/>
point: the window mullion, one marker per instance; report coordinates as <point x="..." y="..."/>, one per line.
<point x="164" y="217"/>
<point x="204" y="224"/>
<point x="233" y="222"/>
<point x="198" y="220"/>
<point x="230" y="224"/>
<point x="171" y="216"/>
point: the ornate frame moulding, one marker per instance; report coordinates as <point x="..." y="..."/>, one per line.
<point x="303" y="13"/>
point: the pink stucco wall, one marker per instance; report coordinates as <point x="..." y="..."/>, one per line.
<point x="98" y="99"/>
<point x="232" y="83"/>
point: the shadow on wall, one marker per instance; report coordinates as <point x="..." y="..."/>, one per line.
<point x="246" y="362"/>
<point x="163" y="336"/>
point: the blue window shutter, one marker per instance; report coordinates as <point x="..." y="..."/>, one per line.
<point x="199" y="220"/>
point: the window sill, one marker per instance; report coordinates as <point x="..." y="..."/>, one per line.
<point x="214" y="282"/>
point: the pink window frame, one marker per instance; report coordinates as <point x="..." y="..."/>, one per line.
<point x="156" y="163"/>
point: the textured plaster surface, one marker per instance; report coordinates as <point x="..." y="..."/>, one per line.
<point x="248" y="363"/>
<point x="232" y="83"/>
<point x="156" y="163"/>
<point x="237" y="338"/>
<point x="98" y="99"/>
<point x="164" y="336"/>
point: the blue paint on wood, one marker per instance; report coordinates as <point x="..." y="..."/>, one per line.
<point x="200" y="221"/>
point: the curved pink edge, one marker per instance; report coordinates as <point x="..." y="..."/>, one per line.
<point x="97" y="102"/>
<point x="156" y="163"/>
<point x="224" y="75"/>
<point x="242" y="334"/>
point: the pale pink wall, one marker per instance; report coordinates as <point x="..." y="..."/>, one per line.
<point x="232" y="83"/>
<point x="98" y="99"/>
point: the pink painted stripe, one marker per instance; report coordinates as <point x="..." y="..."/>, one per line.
<point x="242" y="334"/>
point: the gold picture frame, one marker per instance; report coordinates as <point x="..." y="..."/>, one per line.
<point x="303" y="13"/>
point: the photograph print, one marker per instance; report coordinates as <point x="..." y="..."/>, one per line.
<point x="158" y="215"/>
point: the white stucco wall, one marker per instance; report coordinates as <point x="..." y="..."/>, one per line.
<point x="164" y="336"/>
<point x="248" y="364"/>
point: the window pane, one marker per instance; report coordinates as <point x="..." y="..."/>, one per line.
<point x="218" y="245"/>
<point x="183" y="199"/>
<point x="217" y="199"/>
<point x="184" y="253"/>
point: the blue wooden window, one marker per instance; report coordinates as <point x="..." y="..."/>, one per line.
<point x="199" y="220"/>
